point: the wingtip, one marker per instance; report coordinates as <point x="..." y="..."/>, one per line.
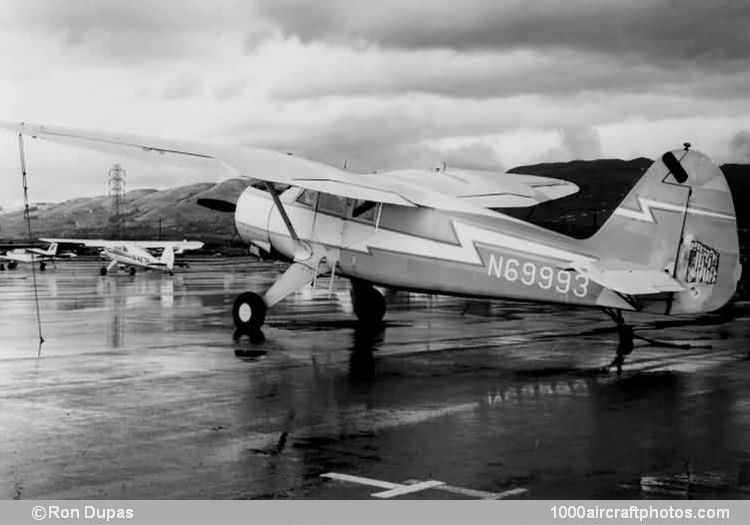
<point x="11" y="126"/>
<point x="20" y="126"/>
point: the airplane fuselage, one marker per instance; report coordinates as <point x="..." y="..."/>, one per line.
<point x="26" y="256"/>
<point x="132" y="255"/>
<point x="423" y="249"/>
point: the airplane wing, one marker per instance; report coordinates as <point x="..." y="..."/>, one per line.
<point x="92" y="243"/>
<point x="177" y="246"/>
<point x="275" y="167"/>
<point x="628" y="278"/>
<point x="485" y="188"/>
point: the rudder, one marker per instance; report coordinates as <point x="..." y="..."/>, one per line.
<point x="679" y="218"/>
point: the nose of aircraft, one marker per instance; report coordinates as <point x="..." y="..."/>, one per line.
<point x="251" y="216"/>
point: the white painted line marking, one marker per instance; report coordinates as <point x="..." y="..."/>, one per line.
<point x="362" y="481"/>
<point x="508" y="493"/>
<point x="414" y="485"/>
<point x="480" y="494"/>
<point x="408" y="489"/>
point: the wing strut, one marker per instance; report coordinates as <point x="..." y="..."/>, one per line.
<point x="275" y="195"/>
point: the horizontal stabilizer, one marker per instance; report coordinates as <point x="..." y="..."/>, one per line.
<point x="628" y="278"/>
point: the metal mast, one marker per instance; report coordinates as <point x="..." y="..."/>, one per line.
<point x="116" y="191"/>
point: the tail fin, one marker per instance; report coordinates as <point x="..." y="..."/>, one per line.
<point x="680" y="219"/>
<point x="52" y="249"/>
<point x="167" y="257"/>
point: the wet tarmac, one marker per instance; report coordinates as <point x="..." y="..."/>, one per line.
<point x="137" y="393"/>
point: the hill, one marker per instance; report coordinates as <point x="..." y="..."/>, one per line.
<point x="144" y="214"/>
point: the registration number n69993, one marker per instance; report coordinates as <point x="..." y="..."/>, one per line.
<point x="533" y="274"/>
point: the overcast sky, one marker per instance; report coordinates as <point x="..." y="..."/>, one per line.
<point x="380" y="84"/>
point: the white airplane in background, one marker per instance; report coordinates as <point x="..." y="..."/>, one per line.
<point x="31" y="256"/>
<point x="669" y="248"/>
<point x="135" y="254"/>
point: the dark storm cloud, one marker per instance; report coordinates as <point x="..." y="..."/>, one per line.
<point x="133" y="31"/>
<point x="486" y="75"/>
<point x="659" y="31"/>
<point x="483" y="48"/>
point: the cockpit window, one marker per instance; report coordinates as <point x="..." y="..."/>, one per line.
<point x="332" y="204"/>
<point x="361" y="210"/>
<point x="365" y="211"/>
<point x="307" y="197"/>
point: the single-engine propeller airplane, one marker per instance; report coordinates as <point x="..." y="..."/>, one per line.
<point x="31" y="256"/>
<point x="669" y="248"/>
<point x="135" y="254"/>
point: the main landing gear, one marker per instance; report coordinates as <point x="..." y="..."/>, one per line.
<point x="368" y="303"/>
<point x="249" y="309"/>
<point x="625" y="345"/>
<point x="249" y="314"/>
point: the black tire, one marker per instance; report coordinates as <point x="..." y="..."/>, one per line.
<point x="12" y="265"/>
<point x="42" y="266"/>
<point x="2" y="267"/>
<point x="132" y="270"/>
<point x="103" y="270"/>
<point x="368" y="303"/>
<point x="249" y="313"/>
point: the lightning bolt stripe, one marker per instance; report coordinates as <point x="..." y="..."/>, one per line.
<point x="464" y="252"/>
<point x="645" y="213"/>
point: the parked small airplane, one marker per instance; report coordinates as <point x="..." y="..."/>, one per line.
<point x="669" y="248"/>
<point x="31" y="256"/>
<point x="135" y="254"/>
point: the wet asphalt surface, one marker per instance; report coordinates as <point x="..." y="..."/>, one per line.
<point x="137" y="393"/>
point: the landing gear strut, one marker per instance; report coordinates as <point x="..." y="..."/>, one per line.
<point x="625" y="345"/>
<point x="249" y="314"/>
<point x="368" y="303"/>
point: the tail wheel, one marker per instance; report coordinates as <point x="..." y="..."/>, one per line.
<point x="249" y="314"/>
<point x="368" y="303"/>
